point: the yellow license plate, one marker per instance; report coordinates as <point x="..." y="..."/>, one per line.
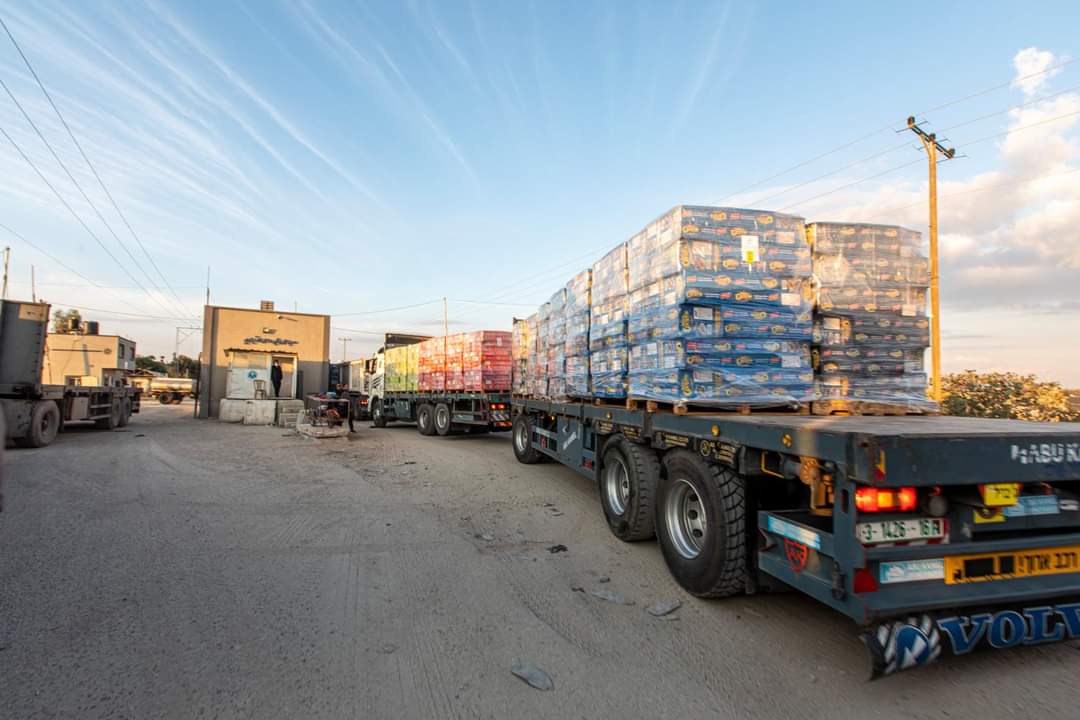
<point x="1009" y="565"/>
<point x="1000" y="494"/>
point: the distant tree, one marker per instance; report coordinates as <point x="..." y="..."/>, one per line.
<point x="185" y="367"/>
<point x="1006" y="395"/>
<point x="62" y="320"/>
<point x="149" y="362"/>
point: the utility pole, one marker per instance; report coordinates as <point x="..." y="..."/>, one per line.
<point x="932" y="148"/>
<point x="344" y="349"/>
<point x="207" y="284"/>
<point x="7" y="257"/>
<point x="33" y="285"/>
<point x="445" y="320"/>
<point x="445" y="334"/>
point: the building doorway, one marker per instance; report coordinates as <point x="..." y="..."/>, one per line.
<point x="288" y="375"/>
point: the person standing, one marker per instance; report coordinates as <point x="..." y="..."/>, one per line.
<point x="343" y="394"/>
<point x="275" y="378"/>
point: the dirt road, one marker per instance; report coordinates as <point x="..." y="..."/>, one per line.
<point x="183" y="568"/>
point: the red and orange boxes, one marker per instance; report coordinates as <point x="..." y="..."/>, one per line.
<point x="466" y="362"/>
<point x="487" y="362"/>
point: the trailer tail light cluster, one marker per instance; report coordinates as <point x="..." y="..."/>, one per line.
<point x="498" y="406"/>
<point x="869" y="499"/>
<point x="864" y="581"/>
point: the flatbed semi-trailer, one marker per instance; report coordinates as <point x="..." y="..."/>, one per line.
<point x="934" y="534"/>
<point x="444" y="413"/>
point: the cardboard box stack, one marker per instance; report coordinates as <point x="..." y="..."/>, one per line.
<point x="400" y="369"/>
<point x="577" y="314"/>
<point x="538" y="353"/>
<point x="487" y="361"/>
<point x="522" y="337"/>
<point x="720" y="308"/>
<point x="871" y="329"/>
<point x="412" y="378"/>
<point x="556" y="346"/>
<point x="431" y="376"/>
<point x="608" y="339"/>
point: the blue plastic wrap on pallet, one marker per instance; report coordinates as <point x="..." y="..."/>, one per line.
<point x="608" y="370"/>
<point x="720" y="308"/>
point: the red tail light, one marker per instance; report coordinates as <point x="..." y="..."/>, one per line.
<point x="864" y="581"/>
<point x="868" y="499"/>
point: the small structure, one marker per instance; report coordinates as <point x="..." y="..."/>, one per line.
<point x="240" y="345"/>
<point x="87" y="358"/>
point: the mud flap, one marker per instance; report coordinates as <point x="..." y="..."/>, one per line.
<point x="902" y="644"/>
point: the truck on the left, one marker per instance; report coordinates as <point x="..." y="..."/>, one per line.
<point x="35" y="412"/>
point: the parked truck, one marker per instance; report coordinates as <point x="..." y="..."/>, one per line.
<point x="435" y="412"/>
<point x="35" y="412"/>
<point x="934" y="534"/>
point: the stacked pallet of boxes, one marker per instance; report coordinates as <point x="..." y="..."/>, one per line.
<point x="607" y="326"/>
<point x="576" y="313"/>
<point x="412" y="376"/>
<point x="400" y="369"/>
<point x="538" y="353"/>
<point x="871" y="328"/>
<point x="522" y="335"/>
<point x="720" y="308"/>
<point x="432" y="365"/>
<point x="556" y="346"/>
<point x="486" y="361"/>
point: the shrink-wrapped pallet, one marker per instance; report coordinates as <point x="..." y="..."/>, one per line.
<point x="487" y="361"/>
<point x="521" y="341"/>
<point x="577" y="318"/>
<point x="720" y="308"/>
<point x="871" y="328"/>
<point x="608" y="339"/>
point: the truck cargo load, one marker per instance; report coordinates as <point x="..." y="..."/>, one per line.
<point x="871" y="329"/>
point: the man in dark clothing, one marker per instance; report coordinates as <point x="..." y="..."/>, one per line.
<point x="275" y="378"/>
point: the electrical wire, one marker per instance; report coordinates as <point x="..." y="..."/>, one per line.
<point x="890" y="125"/>
<point x="386" y="310"/>
<point x="79" y="219"/>
<point x="93" y="169"/>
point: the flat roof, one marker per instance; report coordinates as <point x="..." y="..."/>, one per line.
<point x="268" y="312"/>
<point x="84" y="335"/>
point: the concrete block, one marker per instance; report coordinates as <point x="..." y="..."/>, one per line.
<point x="231" y="411"/>
<point x="259" y="412"/>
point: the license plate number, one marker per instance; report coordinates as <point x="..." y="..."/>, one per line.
<point x="900" y="530"/>
<point x="1000" y="494"/>
<point x="1006" y="566"/>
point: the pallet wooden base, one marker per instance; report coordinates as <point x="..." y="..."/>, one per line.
<point x="862" y="407"/>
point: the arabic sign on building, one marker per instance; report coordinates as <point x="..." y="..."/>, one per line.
<point x="256" y="340"/>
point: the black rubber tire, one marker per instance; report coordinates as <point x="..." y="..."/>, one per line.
<point x="377" y="418"/>
<point x="720" y="567"/>
<point x="165" y="398"/>
<point x="521" y="440"/>
<point x="425" y="420"/>
<point x="44" y="424"/>
<point x="637" y="518"/>
<point x="443" y="426"/>
<point x="113" y="421"/>
<point x="125" y="412"/>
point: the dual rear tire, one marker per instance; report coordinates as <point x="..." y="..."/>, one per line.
<point x="696" y="510"/>
<point x="425" y="419"/>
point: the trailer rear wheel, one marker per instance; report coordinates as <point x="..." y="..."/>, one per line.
<point x="442" y="419"/>
<point x="113" y="421"/>
<point x="425" y="420"/>
<point x="701" y="525"/>
<point x="164" y="398"/>
<point x="628" y="479"/>
<point x="44" y="424"/>
<point x="523" y="449"/>
<point x="377" y="417"/>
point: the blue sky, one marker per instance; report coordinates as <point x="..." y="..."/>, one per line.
<point x="349" y="157"/>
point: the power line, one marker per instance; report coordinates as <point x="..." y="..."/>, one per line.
<point x="79" y="219"/>
<point x="850" y="184"/>
<point x="488" y="302"/>
<point x="81" y="191"/>
<point x="889" y="126"/>
<point x="169" y="318"/>
<point x="92" y="168"/>
<point x="386" y="310"/>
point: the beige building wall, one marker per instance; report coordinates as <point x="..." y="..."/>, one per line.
<point x="80" y="359"/>
<point x="304" y="335"/>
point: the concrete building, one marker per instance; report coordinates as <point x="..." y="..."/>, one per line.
<point x="72" y="359"/>
<point x="241" y="344"/>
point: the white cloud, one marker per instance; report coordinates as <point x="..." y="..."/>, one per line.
<point x="1031" y="69"/>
